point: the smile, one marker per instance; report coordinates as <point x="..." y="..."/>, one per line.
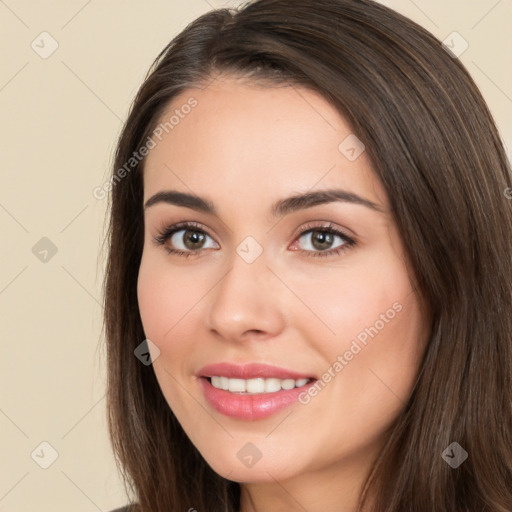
<point x="257" y="385"/>
<point x="251" y="391"/>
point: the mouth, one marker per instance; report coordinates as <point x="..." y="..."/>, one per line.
<point x="256" y="386"/>
<point x="252" y="391"/>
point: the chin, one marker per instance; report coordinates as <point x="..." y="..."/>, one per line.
<point x="265" y="469"/>
<point x="252" y="475"/>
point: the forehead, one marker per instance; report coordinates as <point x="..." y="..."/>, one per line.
<point x="243" y="138"/>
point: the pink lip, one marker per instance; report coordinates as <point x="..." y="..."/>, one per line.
<point x="250" y="371"/>
<point x="250" y="406"/>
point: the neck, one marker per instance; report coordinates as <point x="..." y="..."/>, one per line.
<point x="334" y="488"/>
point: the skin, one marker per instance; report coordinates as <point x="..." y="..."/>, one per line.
<point x="243" y="147"/>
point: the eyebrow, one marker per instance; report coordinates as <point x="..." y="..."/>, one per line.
<point x="279" y="208"/>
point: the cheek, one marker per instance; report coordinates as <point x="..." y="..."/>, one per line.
<point x="377" y="329"/>
<point x="355" y="298"/>
<point x="164" y="298"/>
<point x="153" y="296"/>
<point x="165" y="306"/>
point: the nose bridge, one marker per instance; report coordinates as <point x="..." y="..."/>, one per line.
<point x="247" y="297"/>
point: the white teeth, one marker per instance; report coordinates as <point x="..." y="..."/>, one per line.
<point x="224" y="383"/>
<point x="272" y="385"/>
<point x="256" y="385"/>
<point x="288" y="384"/>
<point x="236" y="385"/>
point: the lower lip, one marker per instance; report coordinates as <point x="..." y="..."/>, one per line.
<point x="250" y="406"/>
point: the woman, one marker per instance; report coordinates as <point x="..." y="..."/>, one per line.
<point x="308" y="290"/>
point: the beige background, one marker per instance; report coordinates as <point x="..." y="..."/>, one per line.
<point x="60" y="119"/>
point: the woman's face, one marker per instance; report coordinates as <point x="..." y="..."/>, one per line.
<point x="315" y="289"/>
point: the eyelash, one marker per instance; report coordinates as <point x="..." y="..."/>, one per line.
<point x="167" y="232"/>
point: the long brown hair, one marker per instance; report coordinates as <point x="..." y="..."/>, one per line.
<point x="435" y="147"/>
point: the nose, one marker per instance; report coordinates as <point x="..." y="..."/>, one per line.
<point x="247" y="303"/>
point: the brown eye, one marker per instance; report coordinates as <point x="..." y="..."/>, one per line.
<point x="184" y="239"/>
<point x="321" y="239"/>
<point x="188" y="239"/>
<point x="191" y="239"/>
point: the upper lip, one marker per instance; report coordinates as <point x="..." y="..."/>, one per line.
<point x="250" y="371"/>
